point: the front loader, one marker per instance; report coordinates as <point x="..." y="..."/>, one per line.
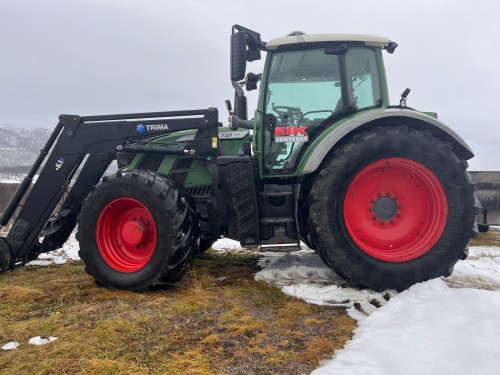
<point x="379" y="191"/>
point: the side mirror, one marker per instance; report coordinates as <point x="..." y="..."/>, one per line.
<point x="251" y="81"/>
<point x="238" y="55"/>
<point x="253" y="52"/>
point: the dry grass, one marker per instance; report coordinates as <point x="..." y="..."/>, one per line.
<point x="490" y="238"/>
<point x="217" y="321"/>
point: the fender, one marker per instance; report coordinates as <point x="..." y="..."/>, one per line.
<point x="316" y="153"/>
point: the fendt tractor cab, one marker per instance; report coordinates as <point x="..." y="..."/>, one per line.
<point x="380" y="192"/>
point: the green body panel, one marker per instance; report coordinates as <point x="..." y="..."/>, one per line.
<point x="312" y="147"/>
<point x="192" y="173"/>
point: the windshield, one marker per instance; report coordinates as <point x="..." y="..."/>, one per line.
<point x="306" y="80"/>
<point x="304" y="88"/>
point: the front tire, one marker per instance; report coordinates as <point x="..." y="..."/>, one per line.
<point x="205" y="245"/>
<point x="392" y="207"/>
<point x="137" y="230"/>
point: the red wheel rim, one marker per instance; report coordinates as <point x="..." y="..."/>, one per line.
<point x="395" y="209"/>
<point x="126" y="235"/>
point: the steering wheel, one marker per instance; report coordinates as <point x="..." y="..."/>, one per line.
<point x="288" y="115"/>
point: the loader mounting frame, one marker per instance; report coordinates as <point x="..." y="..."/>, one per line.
<point x="91" y="143"/>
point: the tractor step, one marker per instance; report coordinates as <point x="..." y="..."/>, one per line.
<point x="282" y="248"/>
<point x="276" y="193"/>
<point x="278" y="224"/>
<point x="277" y="220"/>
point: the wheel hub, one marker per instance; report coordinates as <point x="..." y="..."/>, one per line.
<point x="134" y="233"/>
<point x="385" y="208"/>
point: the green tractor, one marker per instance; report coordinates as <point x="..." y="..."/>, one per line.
<point x="379" y="191"/>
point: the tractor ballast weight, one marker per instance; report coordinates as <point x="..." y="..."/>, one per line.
<point x="380" y="192"/>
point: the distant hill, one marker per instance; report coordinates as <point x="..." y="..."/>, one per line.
<point x="19" y="147"/>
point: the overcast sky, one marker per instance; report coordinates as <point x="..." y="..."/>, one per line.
<point x="90" y="57"/>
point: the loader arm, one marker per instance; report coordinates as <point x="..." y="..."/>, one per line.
<point x="90" y="143"/>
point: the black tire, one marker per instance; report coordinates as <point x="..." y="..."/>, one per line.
<point x="166" y="221"/>
<point x="205" y="244"/>
<point x="483" y="228"/>
<point x="362" y="256"/>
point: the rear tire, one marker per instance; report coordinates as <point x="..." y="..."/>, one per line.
<point x="392" y="207"/>
<point x="137" y="230"/>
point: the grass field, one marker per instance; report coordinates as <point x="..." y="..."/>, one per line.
<point x="217" y="321"/>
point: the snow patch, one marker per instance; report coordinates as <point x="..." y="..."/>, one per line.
<point x="480" y="270"/>
<point x="301" y="266"/>
<point x="225" y="245"/>
<point x="303" y="274"/>
<point x="37" y="340"/>
<point x="60" y="256"/>
<point x="446" y="325"/>
<point x="427" y="329"/>
<point x="11" y="178"/>
<point x="10" y="345"/>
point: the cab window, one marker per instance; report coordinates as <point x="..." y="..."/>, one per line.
<point x="304" y="88"/>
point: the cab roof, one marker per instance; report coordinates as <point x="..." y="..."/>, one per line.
<point x="371" y="40"/>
